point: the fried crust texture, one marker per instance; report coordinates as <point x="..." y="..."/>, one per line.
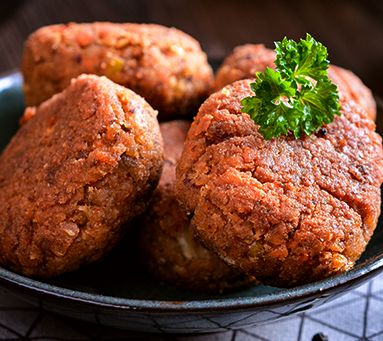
<point x="164" y="65"/>
<point x="287" y="211"/>
<point x="82" y="164"/>
<point x="169" y="249"/>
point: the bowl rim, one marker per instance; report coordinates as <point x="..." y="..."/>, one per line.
<point x="370" y="268"/>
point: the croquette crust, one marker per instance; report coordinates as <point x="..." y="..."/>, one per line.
<point x="83" y="164"/>
<point x="286" y="211"/>
<point x="169" y="249"/>
<point x="164" y="65"/>
<point x="242" y="63"/>
<point x="246" y="60"/>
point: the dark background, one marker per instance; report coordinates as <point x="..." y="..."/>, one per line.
<point x="351" y="30"/>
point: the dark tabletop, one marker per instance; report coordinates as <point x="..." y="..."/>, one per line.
<point x="353" y="33"/>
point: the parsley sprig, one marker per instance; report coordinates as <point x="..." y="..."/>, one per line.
<point x="298" y="95"/>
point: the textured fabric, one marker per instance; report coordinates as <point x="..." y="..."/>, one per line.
<point x="357" y="315"/>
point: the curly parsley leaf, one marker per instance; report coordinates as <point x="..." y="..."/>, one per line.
<point x="297" y="96"/>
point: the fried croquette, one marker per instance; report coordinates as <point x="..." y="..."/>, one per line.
<point x="164" y="65"/>
<point x="247" y="59"/>
<point x="243" y="63"/>
<point x="287" y="211"/>
<point x="84" y="164"/>
<point x="169" y="249"/>
<point x="352" y="86"/>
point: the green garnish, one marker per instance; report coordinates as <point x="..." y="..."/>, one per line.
<point x="298" y="95"/>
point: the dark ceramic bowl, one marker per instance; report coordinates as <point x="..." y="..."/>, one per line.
<point x="115" y="292"/>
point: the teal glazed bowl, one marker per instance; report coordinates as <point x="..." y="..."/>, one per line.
<point x="116" y="292"/>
